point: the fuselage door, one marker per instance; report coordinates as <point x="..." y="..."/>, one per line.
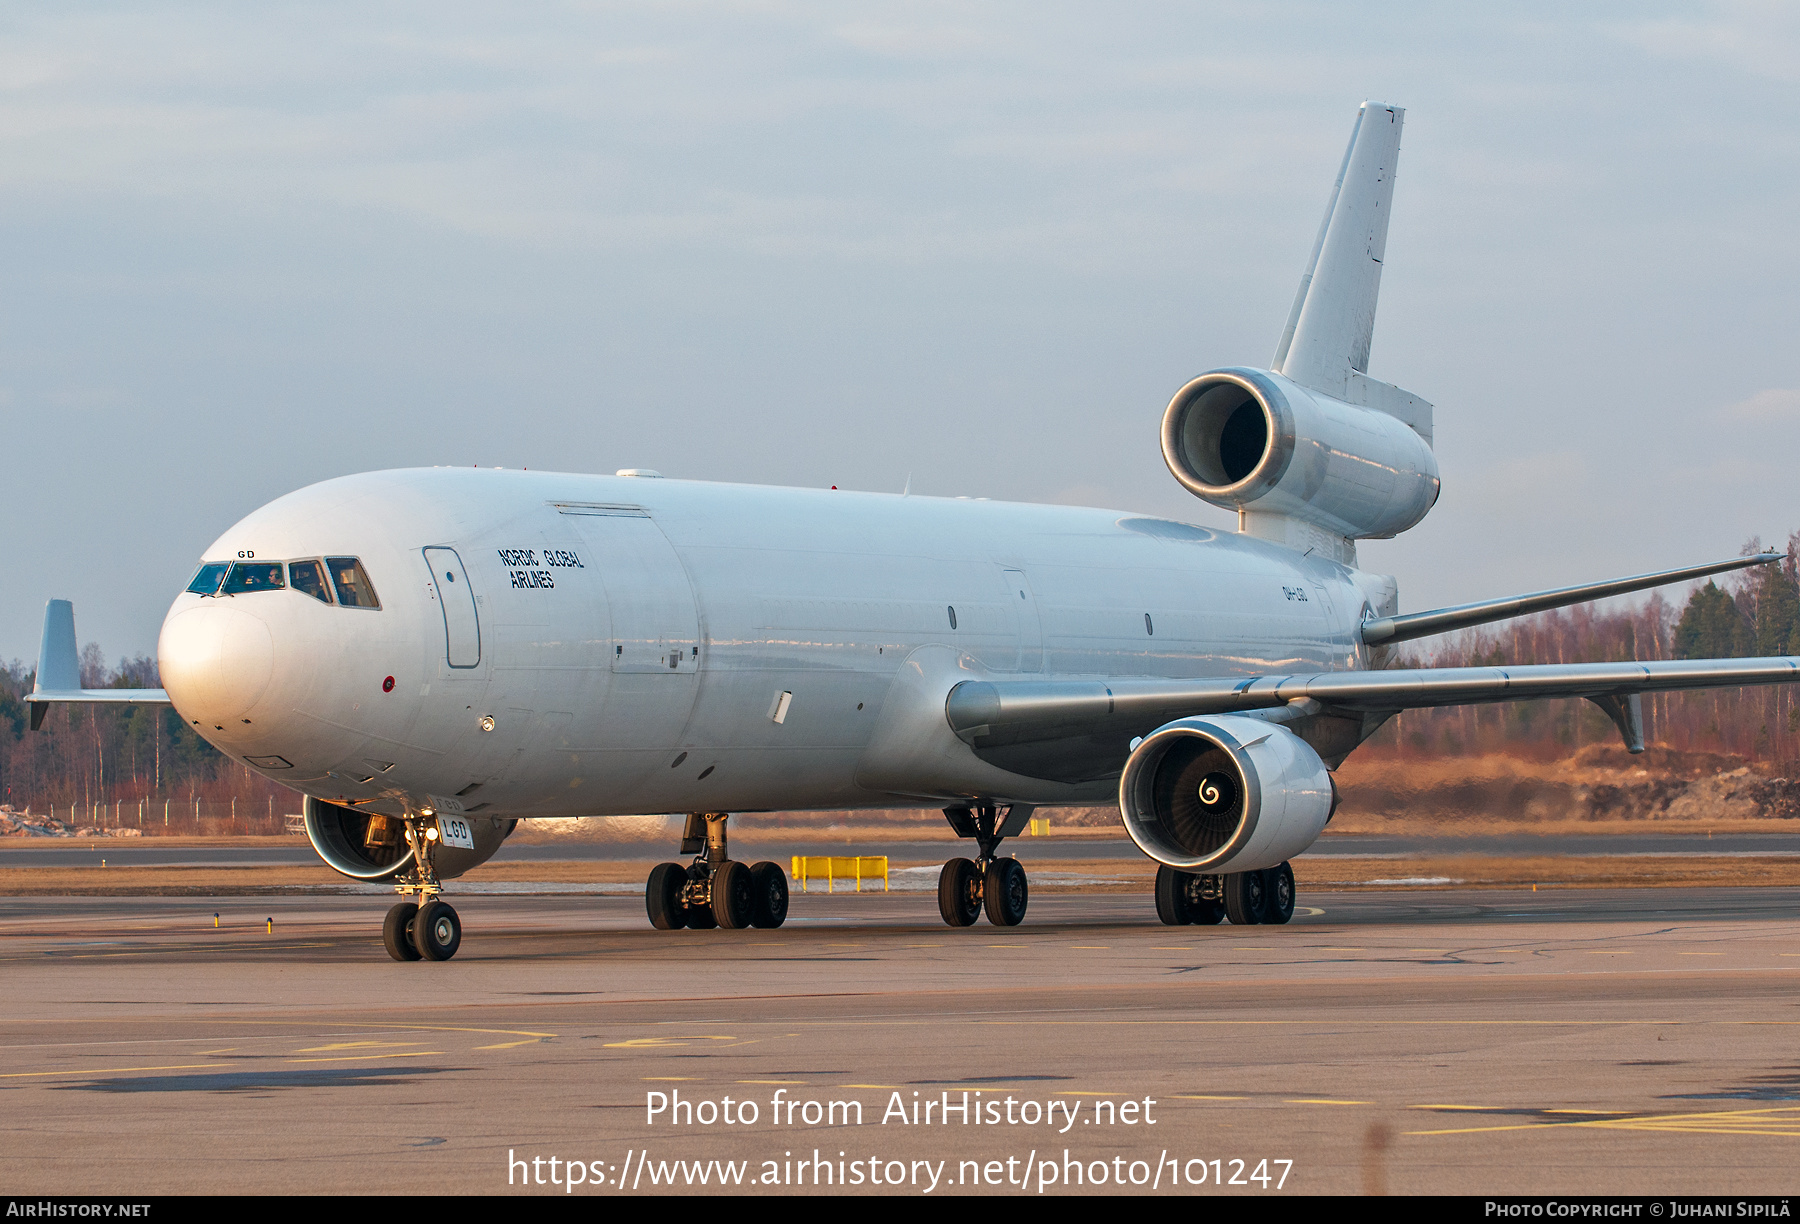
<point x="654" y="622"/>
<point x="1031" y="629"/>
<point x="462" y="624"/>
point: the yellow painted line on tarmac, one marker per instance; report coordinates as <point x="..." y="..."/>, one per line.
<point x="169" y="951"/>
<point x="366" y="1057"/>
<point x="1590" y="1112"/>
<point x="110" y="1070"/>
<point x="411" y="1028"/>
<point x="652" y="1043"/>
<point x="507" y="1045"/>
<point x="1324" y="1101"/>
<point x="354" y="1045"/>
<point x="1476" y="1108"/>
<point x="1727" y="1122"/>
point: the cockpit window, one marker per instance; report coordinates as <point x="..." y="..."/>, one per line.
<point x="206" y="582"/>
<point x="308" y="577"/>
<point x="249" y="576"/>
<point x="353" y="587"/>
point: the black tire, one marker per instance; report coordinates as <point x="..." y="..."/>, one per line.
<point x="662" y="897"/>
<point x="1172" y="896"/>
<point x="1206" y="912"/>
<point x="1006" y="892"/>
<point x="1244" y="897"/>
<point x="397" y="932"/>
<point x="959" y="893"/>
<point x="437" y="932"/>
<point x="768" y="882"/>
<point x="1278" y="894"/>
<point x="733" y="895"/>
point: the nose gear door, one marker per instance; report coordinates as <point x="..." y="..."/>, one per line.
<point x="462" y="623"/>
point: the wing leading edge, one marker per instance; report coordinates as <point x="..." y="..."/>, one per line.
<point x="1013" y="722"/>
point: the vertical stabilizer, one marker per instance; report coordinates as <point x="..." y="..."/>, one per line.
<point x="1326" y="343"/>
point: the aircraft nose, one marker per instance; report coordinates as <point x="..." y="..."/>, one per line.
<point x="216" y="661"/>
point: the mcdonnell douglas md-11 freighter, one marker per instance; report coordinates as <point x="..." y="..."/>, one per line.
<point x="432" y="655"/>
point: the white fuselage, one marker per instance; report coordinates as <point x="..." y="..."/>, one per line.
<point x="629" y="640"/>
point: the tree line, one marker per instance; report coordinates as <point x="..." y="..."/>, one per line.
<point x="126" y="764"/>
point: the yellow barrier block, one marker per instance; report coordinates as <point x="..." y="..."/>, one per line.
<point x="834" y="867"/>
<point x="1040" y="826"/>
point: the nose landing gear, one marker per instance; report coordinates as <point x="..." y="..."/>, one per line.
<point x="715" y="890"/>
<point x="1246" y="897"/>
<point x="425" y="929"/>
<point x="997" y="884"/>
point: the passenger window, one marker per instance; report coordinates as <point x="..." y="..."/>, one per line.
<point x="206" y="582"/>
<point x="353" y="587"/>
<point x="247" y="576"/>
<point x="308" y="577"/>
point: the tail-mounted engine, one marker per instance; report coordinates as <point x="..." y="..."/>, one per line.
<point x="1224" y="794"/>
<point x="1251" y="439"/>
<point x="370" y="846"/>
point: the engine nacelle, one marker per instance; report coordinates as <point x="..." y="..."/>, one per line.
<point x="1242" y="438"/>
<point x="1224" y="793"/>
<point x="372" y="847"/>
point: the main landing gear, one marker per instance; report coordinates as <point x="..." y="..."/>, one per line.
<point x="1245" y="897"/>
<point x="425" y="929"/>
<point x="715" y="890"/>
<point x="996" y="884"/>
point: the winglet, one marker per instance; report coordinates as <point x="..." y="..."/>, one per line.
<point x="59" y="662"/>
<point x="59" y="670"/>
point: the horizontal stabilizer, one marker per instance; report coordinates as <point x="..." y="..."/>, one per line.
<point x="59" y="670"/>
<point x="1390" y="629"/>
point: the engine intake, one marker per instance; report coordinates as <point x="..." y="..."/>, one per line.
<point x="1242" y="438"/>
<point x="1224" y="793"/>
<point x="370" y="846"/>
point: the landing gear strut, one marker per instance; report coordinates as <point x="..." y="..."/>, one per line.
<point x="1246" y="897"/>
<point x="715" y="890"/>
<point x="425" y="929"/>
<point x="997" y="884"/>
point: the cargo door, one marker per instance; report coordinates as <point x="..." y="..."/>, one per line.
<point x="655" y="626"/>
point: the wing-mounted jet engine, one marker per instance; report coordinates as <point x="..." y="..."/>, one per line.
<point x="1313" y="453"/>
<point x="373" y="847"/>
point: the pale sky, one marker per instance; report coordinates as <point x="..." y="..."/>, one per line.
<point x="244" y="248"/>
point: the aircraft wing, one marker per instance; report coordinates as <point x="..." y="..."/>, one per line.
<point x="1084" y="723"/>
<point x="59" y="670"/>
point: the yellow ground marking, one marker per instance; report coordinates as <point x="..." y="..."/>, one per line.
<point x="1324" y="1101"/>
<point x="507" y="1045"/>
<point x="1780" y="1122"/>
<point x="409" y="1028"/>
<point x="651" y="1043"/>
<point x="110" y="1070"/>
<point x="1589" y="1112"/>
<point x="366" y="1057"/>
<point x="1179" y="1097"/>
<point x="1477" y="1108"/>
<point x="354" y="1045"/>
<point x="167" y="951"/>
<point x="774" y="1081"/>
<point x="226" y="1050"/>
